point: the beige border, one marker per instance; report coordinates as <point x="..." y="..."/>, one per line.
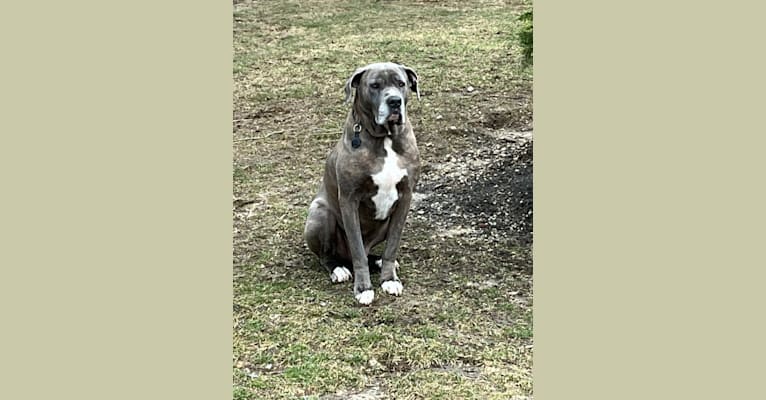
<point x="115" y="166"/>
<point x="649" y="199"/>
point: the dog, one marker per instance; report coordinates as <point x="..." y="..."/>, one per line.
<point x="369" y="177"/>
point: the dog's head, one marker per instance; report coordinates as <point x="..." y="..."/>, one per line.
<point x="383" y="89"/>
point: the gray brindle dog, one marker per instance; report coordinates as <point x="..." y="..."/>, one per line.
<point x="368" y="182"/>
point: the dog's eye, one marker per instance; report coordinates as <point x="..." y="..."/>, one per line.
<point x="375" y="85"/>
<point x="401" y="84"/>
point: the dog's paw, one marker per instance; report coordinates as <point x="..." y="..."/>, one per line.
<point x="365" y="297"/>
<point x="392" y="287"/>
<point x="340" y="274"/>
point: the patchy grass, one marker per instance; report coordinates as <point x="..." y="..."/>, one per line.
<point x="463" y="327"/>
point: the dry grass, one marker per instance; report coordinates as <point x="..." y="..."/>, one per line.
<point x="463" y="326"/>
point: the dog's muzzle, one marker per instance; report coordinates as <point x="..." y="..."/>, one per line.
<point x="391" y="111"/>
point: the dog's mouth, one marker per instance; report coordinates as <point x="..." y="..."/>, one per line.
<point x="395" y="116"/>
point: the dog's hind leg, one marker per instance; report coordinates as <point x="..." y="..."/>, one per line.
<point x="320" y="234"/>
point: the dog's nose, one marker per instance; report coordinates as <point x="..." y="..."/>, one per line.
<point x="394" y="102"/>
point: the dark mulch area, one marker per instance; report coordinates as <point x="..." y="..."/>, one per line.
<point x="486" y="191"/>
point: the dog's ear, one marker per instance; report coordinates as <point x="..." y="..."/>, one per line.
<point x="353" y="82"/>
<point x="412" y="76"/>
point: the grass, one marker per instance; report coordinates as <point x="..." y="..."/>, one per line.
<point x="295" y="334"/>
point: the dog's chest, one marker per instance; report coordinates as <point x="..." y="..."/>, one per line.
<point x="386" y="180"/>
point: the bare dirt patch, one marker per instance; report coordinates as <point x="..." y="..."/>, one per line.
<point x="483" y="191"/>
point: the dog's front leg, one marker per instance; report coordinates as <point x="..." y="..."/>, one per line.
<point x="390" y="281"/>
<point x="349" y="208"/>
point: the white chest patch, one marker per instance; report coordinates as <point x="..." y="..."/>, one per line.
<point x="386" y="181"/>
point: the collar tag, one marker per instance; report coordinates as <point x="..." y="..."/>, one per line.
<point x="356" y="141"/>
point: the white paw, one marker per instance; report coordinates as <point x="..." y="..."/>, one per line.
<point x="340" y="274"/>
<point x="392" y="287"/>
<point x="365" y="297"/>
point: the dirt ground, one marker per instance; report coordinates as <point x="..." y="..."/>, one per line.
<point x="463" y="326"/>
